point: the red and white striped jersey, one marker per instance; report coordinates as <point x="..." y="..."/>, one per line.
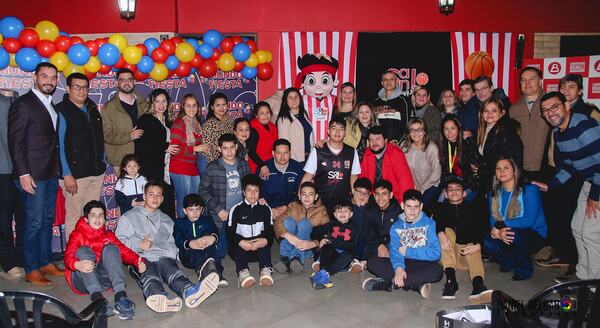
<point x="319" y="114"/>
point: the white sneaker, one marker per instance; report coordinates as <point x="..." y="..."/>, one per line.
<point x="163" y="302"/>
<point x="355" y="266"/>
<point x="245" y="280"/>
<point x="316" y="266"/>
<point x="425" y="290"/>
<point x="266" y="279"/>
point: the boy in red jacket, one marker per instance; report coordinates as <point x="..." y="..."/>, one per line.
<point x="93" y="261"/>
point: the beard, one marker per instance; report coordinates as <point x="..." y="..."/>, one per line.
<point x="378" y="151"/>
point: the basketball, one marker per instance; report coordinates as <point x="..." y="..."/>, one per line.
<point x="479" y="63"/>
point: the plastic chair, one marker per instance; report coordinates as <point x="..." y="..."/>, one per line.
<point x="22" y="317"/>
<point x="571" y="304"/>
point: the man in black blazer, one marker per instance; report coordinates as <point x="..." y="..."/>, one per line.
<point x="33" y="144"/>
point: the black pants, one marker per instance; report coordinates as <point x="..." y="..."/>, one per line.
<point x="418" y="272"/>
<point x="333" y="261"/>
<point x="241" y="257"/>
<point x="559" y="206"/>
<point x="195" y="258"/>
<point x="11" y="205"/>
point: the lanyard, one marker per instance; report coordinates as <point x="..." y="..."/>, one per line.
<point x="451" y="158"/>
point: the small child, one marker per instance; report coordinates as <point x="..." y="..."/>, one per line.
<point x="303" y="220"/>
<point x="130" y="185"/>
<point x="414" y="252"/>
<point x="250" y="228"/>
<point x="196" y="237"/>
<point x="93" y="261"/>
<point x="461" y="231"/>
<point x="338" y="248"/>
<point x="148" y="231"/>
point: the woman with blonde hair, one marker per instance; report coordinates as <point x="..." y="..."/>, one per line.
<point x="362" y="119"/>
<point x="346" y="101"/>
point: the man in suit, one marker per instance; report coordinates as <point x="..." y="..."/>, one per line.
<point x="33" y="144"/>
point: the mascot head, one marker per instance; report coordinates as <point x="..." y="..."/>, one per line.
<point x="317" y="75"/>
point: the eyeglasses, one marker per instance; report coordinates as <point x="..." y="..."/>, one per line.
<point x="363" y="194"/>
<point x="419" y="130"/>
<point x="129" y="80"/>
<point x="551" y="109"/>
<point x="80" y="87"/>
<point x="481" y="89"/>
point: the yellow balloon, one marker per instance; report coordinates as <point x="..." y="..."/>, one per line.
<point x="47" y="30"/>
<point x="93" y="65"/>
<point x="185" y="52"/>
<point x="60" y="60"/>
<point x="12" y="61"/>
<point x="132" y="55"/>
<point x="1" y="39"/>
<point x="226" y="62"/>
<point x="269" y="56"/>
<point x="118" y="41"/>
<point x="262" y="56"/>
<point x="159" y="72"/>
<point x="252" y="61"/>
<point x="72" y="68"/>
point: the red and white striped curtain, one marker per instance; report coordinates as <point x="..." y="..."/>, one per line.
<point x="339" y="45"/>
<point x="502" y="47"/>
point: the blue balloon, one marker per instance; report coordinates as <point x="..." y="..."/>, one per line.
<point x="44" y="59"/>
<point x="27" y="59"/>
<point x="4" y="58"/>
<point x="241" y="52"/>
<point x="194" y="70"/>
<point x="212" y="37"/>
<point x="193" y="42"/>
<point x="172" y="62"/>
<point x="205" y="50"/>
<point x="151" y="44"/>
<point x="145" y="65"/>
<point x="78" y="54"/>
<point x="249" y="72"/>
<point x="108" y="54"/>
<point x="10" y="27"/>
<point x="65" y="34"/>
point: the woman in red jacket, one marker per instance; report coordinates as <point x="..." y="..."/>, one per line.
<point x="263" y="134"/>
<point x="187" y="134"/>
<point x="93" y="261"/>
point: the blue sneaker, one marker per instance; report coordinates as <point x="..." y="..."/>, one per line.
<point x="125" y="308"/>
<point x="325" y="279"/>
<point x="199" y="292"/>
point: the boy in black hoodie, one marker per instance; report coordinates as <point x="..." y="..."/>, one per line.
<point x="461" y="229"/>
<point x="378" y="219"/>
<point x="338" y="248"/>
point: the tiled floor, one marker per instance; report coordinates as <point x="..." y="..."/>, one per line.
<point x="291" y="302"/>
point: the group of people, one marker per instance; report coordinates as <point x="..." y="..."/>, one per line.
<point x="400" y="187"/>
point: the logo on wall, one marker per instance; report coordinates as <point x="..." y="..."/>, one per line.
<point x="554" y="67"/>
<point x="408" y="78"/>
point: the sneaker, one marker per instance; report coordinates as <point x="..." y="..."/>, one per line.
<point x="377" y="284"/>
<point x="450" y="289"/>
<point x="296" y="266"/>
<point x="554" y="262"/>
<point x="208" y="268"/>
<point x="245" y="280"/>
<point x="199" y="292"/>
<point x="106" y="310"/>
<point x="355" y="266"/>
<point x="266" y="279"/>
<point x="163" y="302"/>
<point x="223" y="283"/>
<point x="125" y="308"/>
<point x="425" y="290"/>
<point x="480" y="294"/>
<point x="322" y="280"/>
<point x="566" y="278"/>
<point x="316" y="266"/>
<point x="12" y="274"/>
<point x="283" y="266"/>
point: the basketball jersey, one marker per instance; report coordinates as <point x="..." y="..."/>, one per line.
<point x="319" y="114"/>
<point x="332" y="177"/>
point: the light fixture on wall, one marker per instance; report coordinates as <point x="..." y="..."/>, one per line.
<point x="446" y="6"/>
<point x="127" y="8"/>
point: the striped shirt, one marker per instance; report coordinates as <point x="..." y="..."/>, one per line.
<point x="578" y="152"/>
<point x="319" y="114"/>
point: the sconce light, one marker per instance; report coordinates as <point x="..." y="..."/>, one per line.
<point x="127" y="9"/>
<point x="446" y="6"/>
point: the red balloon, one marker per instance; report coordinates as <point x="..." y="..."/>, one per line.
<point x="264" y="71"/>
<point x="168" y="46"/>
<point x="89" y="75"/>
<point x="216" y="54"/>
<point x="196" y="61"/>
<point x="133" y="68"/>
<point x="177" y="40"/>
<point x="92" y="47"/>
<point x="227" y="45"/>
<point x="76" y="40"/>
<point x="104" y="69"/>
<point x="101" y="41"/>
<point x="63" y="43"/>
<point x="170" y="74"/>
<point x="183" y="70"/>
<point x="238" y="66"/>
<point x="29" y="37"/>
<point x="143" y="49"/>
<point x="46" y="48"/>
<point x="237" y="39"/>
<point x="252" y="44"/>
<point x="12" y="45"/>
<point x="139" y="76"/>
<point x="208" y="68"/>
<point x="159" y="55"/>
<point x="120" y="63"/>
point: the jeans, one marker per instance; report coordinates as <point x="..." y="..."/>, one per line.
<point x="108" y="273"/>
<point x="39" y="218"/>
<point x="11" y="206"/>
<point x="201" y="164"/>
<point x="195" y="258"/>
<point x="516" y="255"/>
<point x="300" y="229"/>
<point x="165" y="269"/>
<point x="184" y="185"/>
